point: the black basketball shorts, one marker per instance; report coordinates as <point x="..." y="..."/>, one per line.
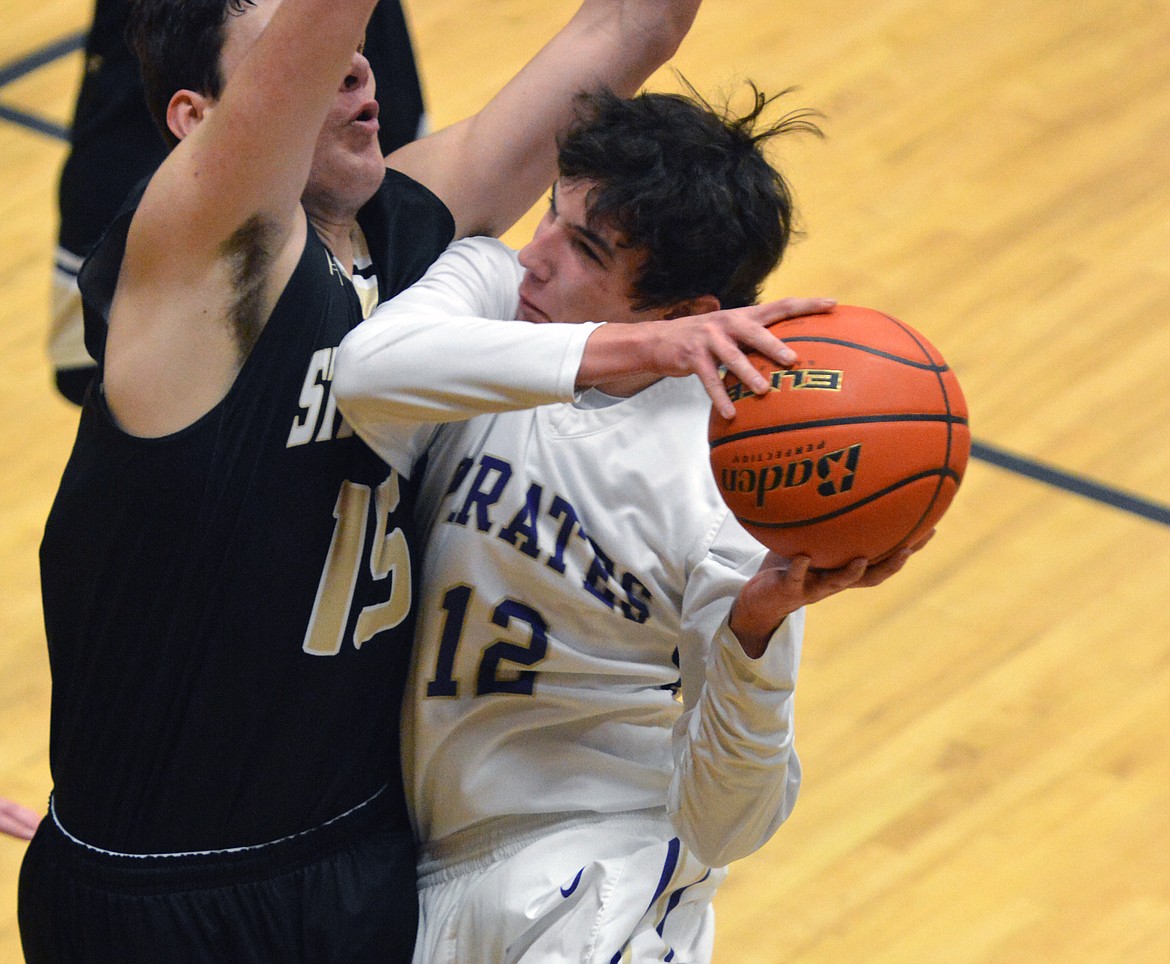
<point x="344" y="892"/>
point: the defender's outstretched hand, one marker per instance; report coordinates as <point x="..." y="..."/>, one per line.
<point x="782" y="586"/>
<point x="18" y="821"/>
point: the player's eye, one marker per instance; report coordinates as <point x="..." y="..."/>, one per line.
<point x="588" y="251"/>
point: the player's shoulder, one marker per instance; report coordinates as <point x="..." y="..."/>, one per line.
<point x="478" y="277"/>
<point x="486" y="254"/>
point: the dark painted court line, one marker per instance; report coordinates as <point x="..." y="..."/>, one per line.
<point x="26" y="65"/>
<point x="32" y="122"/>
<point x="39" y="58"/>
<point x="1076" y="484"/>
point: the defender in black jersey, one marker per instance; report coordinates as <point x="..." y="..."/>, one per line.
<point x="114" y="144"/>
<point x="260" y="557"/>
<point x="226" y="568"/>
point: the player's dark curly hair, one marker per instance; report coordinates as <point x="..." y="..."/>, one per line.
<point x="689" y="183"/>
<point x="178" y="43"/>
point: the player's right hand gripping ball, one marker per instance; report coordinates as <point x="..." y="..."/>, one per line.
<point x="857" y="450"/>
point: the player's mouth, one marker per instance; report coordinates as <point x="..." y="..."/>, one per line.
<point x="527" y="311"/>
<point x="367" y="116"/>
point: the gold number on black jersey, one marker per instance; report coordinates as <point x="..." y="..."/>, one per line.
<point x="389" y="558"/>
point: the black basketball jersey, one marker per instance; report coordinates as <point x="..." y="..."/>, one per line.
<point x="228" y="608"/>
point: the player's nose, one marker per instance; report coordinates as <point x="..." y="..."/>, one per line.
<point x="359" y="74"/>
<point x="536" y="256"/>
<point x="533" y="263"/>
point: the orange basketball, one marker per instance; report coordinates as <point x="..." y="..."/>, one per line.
<point x="857" y="450"/>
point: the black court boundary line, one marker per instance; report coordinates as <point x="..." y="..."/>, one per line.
<point x="1041" y="472"/>
<point x="26" y="65"/>
<point x="1075" y="484"/>
<point x="34" y="123"/>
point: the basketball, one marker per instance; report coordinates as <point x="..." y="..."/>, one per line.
<point x="857" y="450"/>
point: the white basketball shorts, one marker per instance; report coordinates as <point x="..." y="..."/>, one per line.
<point x="597" y="888"/>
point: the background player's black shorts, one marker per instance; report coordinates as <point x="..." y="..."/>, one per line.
<point x="342" y="893"/>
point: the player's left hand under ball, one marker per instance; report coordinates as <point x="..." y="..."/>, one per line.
<point x="781" y="586"/>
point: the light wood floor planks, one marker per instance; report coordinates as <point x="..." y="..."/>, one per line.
<point x="986" y="740"/>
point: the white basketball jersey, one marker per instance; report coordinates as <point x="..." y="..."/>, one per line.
<point x="578" y="572"/>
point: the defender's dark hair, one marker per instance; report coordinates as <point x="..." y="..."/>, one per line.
<point x="178" y="43"/>
<point x="691" y="185"/>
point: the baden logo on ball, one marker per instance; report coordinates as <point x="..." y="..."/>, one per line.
<point x="857" y="450"/>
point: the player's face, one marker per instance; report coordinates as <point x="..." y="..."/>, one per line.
<point x="347" y="160"/>
<point x="574" y="271"/>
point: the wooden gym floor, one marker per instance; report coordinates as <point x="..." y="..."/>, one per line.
<point x="986" y="739"/>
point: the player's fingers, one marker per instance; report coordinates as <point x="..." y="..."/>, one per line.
<point x="738" y="364"/>
<point x="746" y="337"/>
<point x="851" y="574"/>
<point x="712" y="381"/>
<point x="882" y="571"/>
<point x="798" y="567"/>
<point x="783" y="308"/>
<point x="887" y="567"/>
<point x="921" y="543"/>
<point x="18" y="821"/>
<point x="832" y="581"/>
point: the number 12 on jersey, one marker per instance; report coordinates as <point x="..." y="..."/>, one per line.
<point x="489" y="677"/>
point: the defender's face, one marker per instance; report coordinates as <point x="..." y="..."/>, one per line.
<point x="348" y="165"/>
<point x="347" y="161"/>
<point x="577" y="272"/>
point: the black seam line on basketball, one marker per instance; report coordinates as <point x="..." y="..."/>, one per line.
<point x="901" y="359"/>
<point x="912" y="335"/>
<point x="1077" y="485"/>
<point x="830" y="422"/>
<point x="942" y="387"/>
<point x="938" y="371"/>
<point x="929" y="473"/>
<point x="40" y="58"/>
<point x="34" y="123"/>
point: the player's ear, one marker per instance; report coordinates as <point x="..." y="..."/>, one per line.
<point x="693" y="306"/>
<point x="186" y="109"/>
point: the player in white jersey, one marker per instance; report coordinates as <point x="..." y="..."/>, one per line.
<point x="580" y="566"/>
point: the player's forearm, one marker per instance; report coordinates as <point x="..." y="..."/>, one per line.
<point x="636" y="37"/>
<point x="736" y="772"/>
<point x="492" y="167"/>
<point x="616" y="351"/>
<point x="17" y="820"/>
<point x="424" y="368"/>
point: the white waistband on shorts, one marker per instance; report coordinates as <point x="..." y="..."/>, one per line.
<point x="210" y="853"/>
